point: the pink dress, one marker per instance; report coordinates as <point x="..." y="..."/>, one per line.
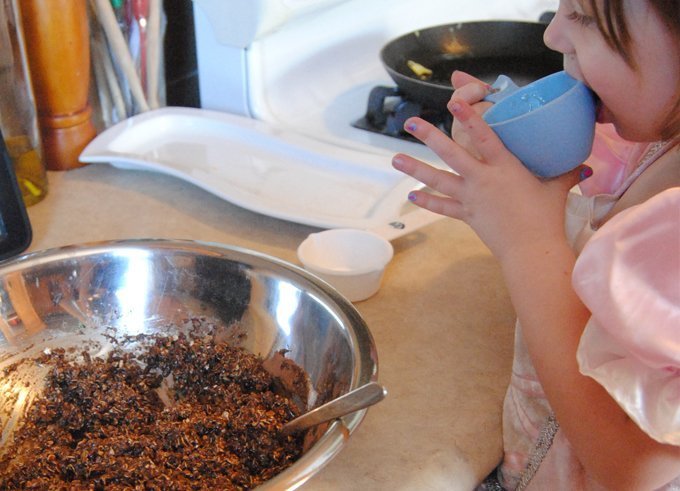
<point x="628" y="275"/>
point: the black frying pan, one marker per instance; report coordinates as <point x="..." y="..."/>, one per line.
<point x="484" y="49"/>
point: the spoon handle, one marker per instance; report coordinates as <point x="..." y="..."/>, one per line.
<point x="359" y="398"/>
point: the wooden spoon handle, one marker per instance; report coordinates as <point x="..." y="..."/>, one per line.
<point x="58" y="52"/>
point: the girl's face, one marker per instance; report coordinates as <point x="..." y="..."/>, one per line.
<point x="637" y="99"/>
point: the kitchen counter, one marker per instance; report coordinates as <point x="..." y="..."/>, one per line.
<point x="442" y="321"/>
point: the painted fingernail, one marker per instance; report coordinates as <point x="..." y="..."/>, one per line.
<point x="411" y="196"/>
<point x="411" y="126"/>
<point x="455" y="107"/>
<point x="586" y="172"/>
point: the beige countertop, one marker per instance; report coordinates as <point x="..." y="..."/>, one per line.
<point x="442" y="321"/>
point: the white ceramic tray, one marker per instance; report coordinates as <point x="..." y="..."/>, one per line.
<point x="259" y="167"/>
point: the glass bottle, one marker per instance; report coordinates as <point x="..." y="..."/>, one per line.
<point x="18" y="119"/>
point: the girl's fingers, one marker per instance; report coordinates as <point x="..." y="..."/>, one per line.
<point x="449" y="151"/>
<point x="437" y="204"/>
<point x="487" y="144"/>
<point x="468" y="88"/>
<point x="442" y="181"/>
<point x="445" y="182"/>
<point x="470" y="93"/>
<point x="460" y="78"/>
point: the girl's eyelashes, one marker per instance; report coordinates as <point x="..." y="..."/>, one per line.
<point x="583" y="19"/>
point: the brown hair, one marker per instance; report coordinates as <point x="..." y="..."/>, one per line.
<point x="611" y="21"/>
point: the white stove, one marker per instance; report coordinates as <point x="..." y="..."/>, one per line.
<point x="309" y="65"/>
<point x="281" y="82"/>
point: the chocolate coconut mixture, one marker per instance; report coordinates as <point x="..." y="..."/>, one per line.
<point x="183" y="413"/>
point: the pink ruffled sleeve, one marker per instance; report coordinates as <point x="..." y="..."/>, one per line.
<point x="628" y="275"/>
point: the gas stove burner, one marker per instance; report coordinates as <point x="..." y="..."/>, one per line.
<point x="388" y="109"/>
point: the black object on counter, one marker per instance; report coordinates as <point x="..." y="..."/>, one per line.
<point x="15" y="228"/>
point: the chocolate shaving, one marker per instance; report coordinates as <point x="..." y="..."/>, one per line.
<point x="184" y="413"/>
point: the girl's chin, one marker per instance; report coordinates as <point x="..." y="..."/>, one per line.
<point x="601" y="114"/>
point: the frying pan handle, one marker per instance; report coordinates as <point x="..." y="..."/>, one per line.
<point x="501" y="88"/>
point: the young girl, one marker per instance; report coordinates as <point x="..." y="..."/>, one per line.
<point x="594" y="399"/>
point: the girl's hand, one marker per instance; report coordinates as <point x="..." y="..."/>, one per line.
<point x="506" y="205"/>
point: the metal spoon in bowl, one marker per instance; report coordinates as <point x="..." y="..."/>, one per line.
<point x="354" y="400"/>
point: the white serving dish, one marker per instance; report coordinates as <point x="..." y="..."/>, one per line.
<point x="258" y="166"/>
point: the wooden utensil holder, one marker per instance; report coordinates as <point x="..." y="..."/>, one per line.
<point x="58" y="52"/>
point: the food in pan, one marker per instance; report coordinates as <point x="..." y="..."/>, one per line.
<point x="422" y="72"/>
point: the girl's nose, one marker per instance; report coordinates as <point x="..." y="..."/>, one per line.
<point x="554" y="37"/>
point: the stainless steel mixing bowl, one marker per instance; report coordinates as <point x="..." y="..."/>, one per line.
<point x="83" y="295"/>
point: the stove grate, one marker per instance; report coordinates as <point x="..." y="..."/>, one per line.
<point x="388" y="110"/>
